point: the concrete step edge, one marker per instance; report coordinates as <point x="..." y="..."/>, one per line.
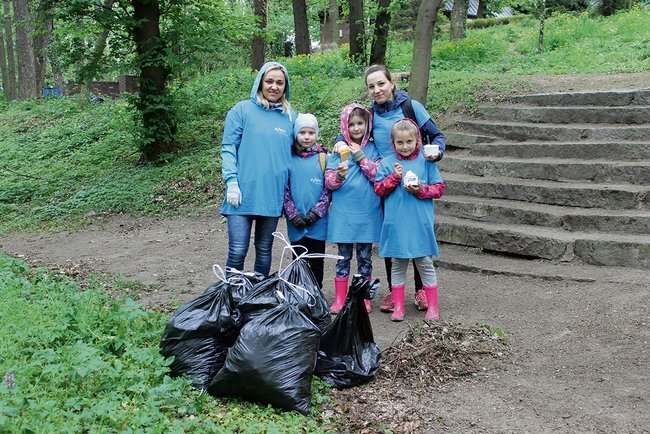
<point x="463" y="258"/>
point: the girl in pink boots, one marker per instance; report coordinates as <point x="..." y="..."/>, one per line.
<point x="355" y="215"/>
<point x="409" y="182"/>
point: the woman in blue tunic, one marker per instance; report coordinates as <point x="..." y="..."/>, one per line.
<point x="256" y="155"/>
<point x="408" y="182"/>
<point x="389" y="105"/>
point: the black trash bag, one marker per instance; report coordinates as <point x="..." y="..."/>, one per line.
<point x="272" y="361"/>
<point x="258" y="300"/>
<point x="199" y="334"/>
<point x="302" y="291"/>
<point x="242" y="283"/>
<point x="300" y="274"/>
<point x="348" y="355"/>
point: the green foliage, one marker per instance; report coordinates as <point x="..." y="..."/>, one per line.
<point x="75" y="360"/>
<point x="62" y="163"/>
<point x="482" y="23"/>
<point x="572" y="44"/>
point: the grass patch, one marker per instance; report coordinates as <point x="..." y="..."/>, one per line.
<point x="81" y="361"/>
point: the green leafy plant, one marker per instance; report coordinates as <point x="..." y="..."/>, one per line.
<point x="75" y="360"/>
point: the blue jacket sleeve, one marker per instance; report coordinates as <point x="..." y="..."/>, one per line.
<point x="435" y="135"/>
<point x="232" y="134"/>
<point x="428" y="128"/>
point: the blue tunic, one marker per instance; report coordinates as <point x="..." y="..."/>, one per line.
<point x="355" y="214"/>
<point x="383" y="122"/>
<point x="306" y="183"/>
<point x="256" y="152"/>
<point x="408" y="230"/>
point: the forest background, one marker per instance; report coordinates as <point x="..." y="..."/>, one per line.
<point x="93" y="360"/>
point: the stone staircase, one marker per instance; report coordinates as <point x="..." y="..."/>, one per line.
<point x="556" y="176"/>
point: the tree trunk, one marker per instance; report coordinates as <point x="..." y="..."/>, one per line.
<point x="356" y="31"/>
<point x="25" y="50"/>
<point x="540" y="40"/>
<point x="333" y="14"/>
<point x="154" y="104"/>
<point x="482" y="7"/>
<point x="91" y="68"/>
<point x="303" y="43"/>
<point x="608" y="8"/>
<point x="260" y="9"/>
<point x="380" y="37"/>
<point x="3" y="64"/>
<point x="421" y="61"/>
<point x="42" y="40"/>
<point x="10" y="90"/>
<point x="458" y="20"/>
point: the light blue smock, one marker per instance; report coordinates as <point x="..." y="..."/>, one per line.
<point x="355" y="214"/>
<point x="256" y="151"/>
<point x="306" y="182"/>
<point x="407" y="231"/>
<point x="383" y="122"/>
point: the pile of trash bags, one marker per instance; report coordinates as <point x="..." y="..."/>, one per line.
<point x="262" y="339"/>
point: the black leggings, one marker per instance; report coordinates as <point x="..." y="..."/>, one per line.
<point x="416" y="275"/>
<point x="316" y="264"/>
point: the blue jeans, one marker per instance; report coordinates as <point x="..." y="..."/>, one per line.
<point x="239" y="234"/>
<point x="364" y="259"/>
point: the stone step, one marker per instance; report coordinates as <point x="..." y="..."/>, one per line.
<point x="547" y="243"/>
<point x="461" y="139"/>
<point x="552" y="169"/>
<point x="620" y="150"/>
<point x="504" y="211"/>
<point x="574" y="194"/>
<point x="604" y="98"/>
<point x="634" y="114"/>
<point x="555" y="132"/>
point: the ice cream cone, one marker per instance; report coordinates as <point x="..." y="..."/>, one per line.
<point x="344" y="153"/>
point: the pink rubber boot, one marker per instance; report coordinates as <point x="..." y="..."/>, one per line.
<point x="340" y="293"/>
<point x="398" y="298"/>
<point x="366" y="301"/>
<point x="432" y="301"/>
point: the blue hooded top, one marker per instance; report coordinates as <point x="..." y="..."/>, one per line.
<point x="408" y="227"/>
<point x="256" y="151"/>
<point x="385" y="115"/>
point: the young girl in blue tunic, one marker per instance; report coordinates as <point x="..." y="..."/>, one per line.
<point x="408" y="183"/>
<point x="306" y="200"/>
<point x="355" y="214"/>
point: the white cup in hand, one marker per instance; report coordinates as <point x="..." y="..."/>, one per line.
<point x="431" y="150"/>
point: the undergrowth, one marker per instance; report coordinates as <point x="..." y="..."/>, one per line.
<point x="77" y="360"/>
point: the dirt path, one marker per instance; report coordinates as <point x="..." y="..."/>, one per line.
<point x="577" y="357"/>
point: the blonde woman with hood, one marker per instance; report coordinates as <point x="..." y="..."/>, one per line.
<point x="256" y="157"/>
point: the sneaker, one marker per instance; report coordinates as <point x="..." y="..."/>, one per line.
<point x="421" y="300"/>
<point x="387" y="305"/>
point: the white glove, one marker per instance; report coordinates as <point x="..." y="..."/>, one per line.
<point x="233" y="193"/>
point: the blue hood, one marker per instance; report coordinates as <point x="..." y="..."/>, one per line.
<point x="258" y="79"/>
<point x="391" y="105"/>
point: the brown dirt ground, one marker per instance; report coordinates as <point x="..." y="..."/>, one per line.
<point x="575" y="359"/>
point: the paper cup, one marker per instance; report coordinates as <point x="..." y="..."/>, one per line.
<point x="431" y="150"/>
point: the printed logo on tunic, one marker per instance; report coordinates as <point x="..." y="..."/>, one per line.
<point x="281" y="131"/>
<point x="316" y="181"/>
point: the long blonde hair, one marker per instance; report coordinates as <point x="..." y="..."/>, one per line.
<point x="286" y="106"/>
